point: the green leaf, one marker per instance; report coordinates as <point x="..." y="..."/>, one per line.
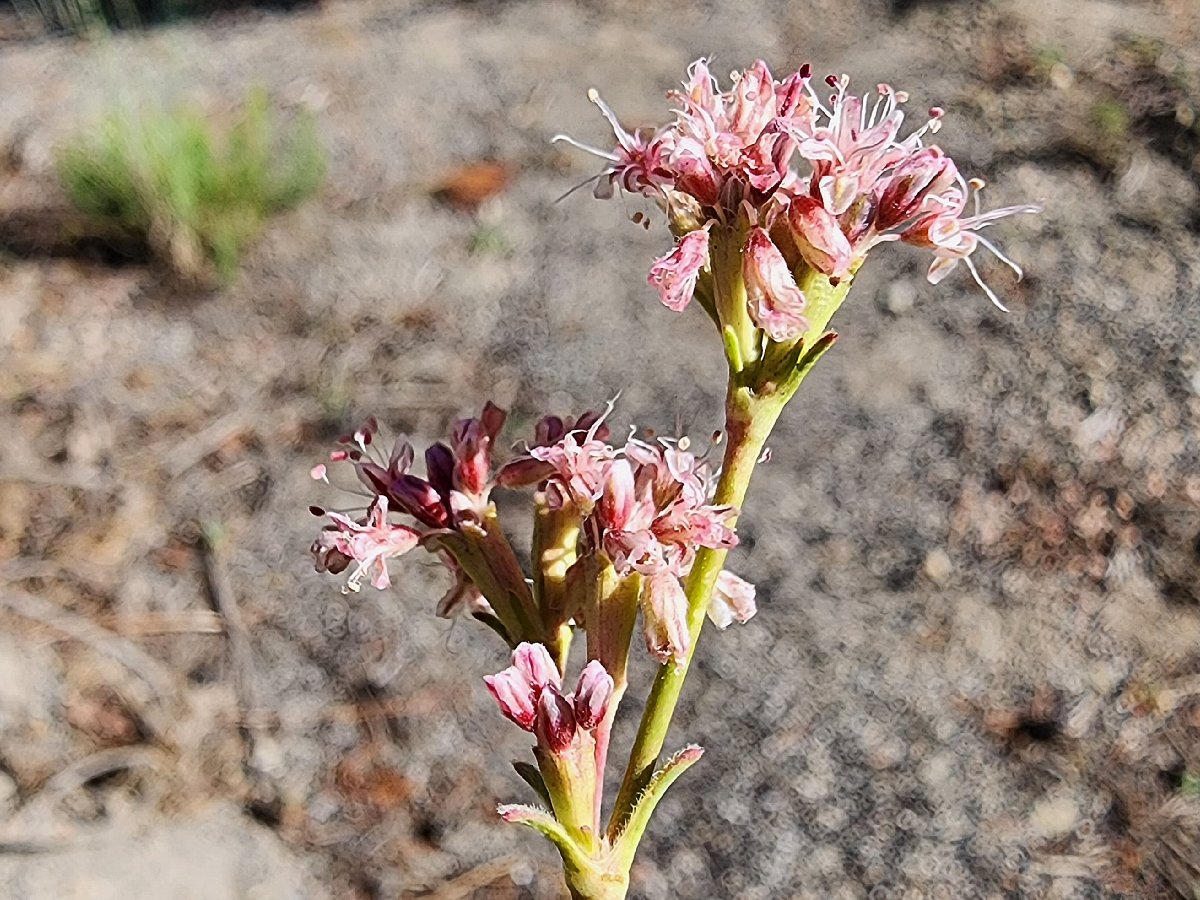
<point x="806" y="362"/>
<point x="626" y="840"/>
<point x="545" y="824"/>
<point x="531" y="776"/>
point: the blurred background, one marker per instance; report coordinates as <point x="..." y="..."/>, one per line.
<point x="230" y="232"/>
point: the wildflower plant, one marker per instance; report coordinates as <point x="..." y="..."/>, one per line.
<point x="775" y="192"/>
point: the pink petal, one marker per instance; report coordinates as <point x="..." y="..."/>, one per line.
<point x="674" y="276"/>
<point x="535" y="663"/>
<point x="776" y="304"/>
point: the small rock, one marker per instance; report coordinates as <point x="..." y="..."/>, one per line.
<point x="1054" y="817"/>
<point x="937" y="566"/>
<point x="901" y="296"/>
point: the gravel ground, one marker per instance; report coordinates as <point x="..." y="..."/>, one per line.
<point x="974" y="670"/>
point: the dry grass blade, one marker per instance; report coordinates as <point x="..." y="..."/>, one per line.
<point x="241" y="655"/>
<point x="465" y="885"/>
<point x="185" y="621"/>
<point x="99" y="764"/>
<point x="160" y="679"/>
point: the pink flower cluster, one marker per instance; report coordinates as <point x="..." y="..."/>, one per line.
<point x="530" y="695"/>
<point x="454" y="492"/>
<point x="457" y="478"/>
<point x="645" y="507"/>
<point x="860" y="183"/>
<point x="647" y="510"/>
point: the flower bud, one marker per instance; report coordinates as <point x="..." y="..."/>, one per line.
<point x="819" y="237"/>
<point x="513" y="693"/>
<point x="776" y="304"/>
<point x="555" y="722"/>
<point x="592" y="695"/>
<point x="534" y="662"/>
<point x="664" y="618"/>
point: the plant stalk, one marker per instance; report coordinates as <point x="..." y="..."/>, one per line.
<point x="749" y="421"/>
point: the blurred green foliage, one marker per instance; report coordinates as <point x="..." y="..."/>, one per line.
<point x="89" y="17"/>
<point x="80" y="16"/>
<point x="1189" y="784"/>
<point x="196" y="193"/>
<point x="1112" y="118"/>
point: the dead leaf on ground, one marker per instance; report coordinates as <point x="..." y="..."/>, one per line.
<point x="470" y="186"/>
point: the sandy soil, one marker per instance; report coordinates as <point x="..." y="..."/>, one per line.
<point x="975" y="672"/>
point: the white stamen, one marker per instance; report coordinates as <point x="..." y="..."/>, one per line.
<point x="586" y="148"/>
<point x="996" y="252"/>
<point x="987" y="290"/>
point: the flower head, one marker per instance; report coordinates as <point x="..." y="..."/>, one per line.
<point x="454" y="492"/>
<point x="645" y="508"/>
<point x="838" y="168"/>
<point x="369" y="543"/>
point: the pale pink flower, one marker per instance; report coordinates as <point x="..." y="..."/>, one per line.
<point x="638" y="163"/>
<point x="953" y="237"/>
<point x="674" y="276"/>
<point x="916" y="186"/>
<point x="744" y="135"/>
<point x="732" y="600"/>
<point x="664" y="618"/>
<point x="526" y="470"/>
<point x="577" y="469"/>
<point x="654" y="511"/>
<point x="369" y="544"/>
<point x="852" y="147"/>
<point x="776" y="304"/>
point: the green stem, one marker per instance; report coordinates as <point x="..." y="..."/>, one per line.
<point x="487" y="557"/>
<point x="586" y="882"/>
<point x="749" y="421"/>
